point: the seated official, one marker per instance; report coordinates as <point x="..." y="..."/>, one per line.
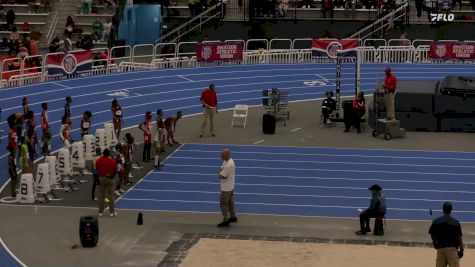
<point x="377" y="208"/>
<point x="328" y="106"/>
<point x="354" y="115"/>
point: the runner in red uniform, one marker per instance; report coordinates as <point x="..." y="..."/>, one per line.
<point x="117" y="117"/>
<point x="146" y="128"/>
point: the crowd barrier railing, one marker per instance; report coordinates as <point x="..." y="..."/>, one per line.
<point x="33" y="69"/>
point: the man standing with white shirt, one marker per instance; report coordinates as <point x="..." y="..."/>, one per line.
<point x="226" y="176"/>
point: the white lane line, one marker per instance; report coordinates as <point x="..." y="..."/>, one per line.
<point x="331" y="162"/>
<point x="335" y="155"/>
<point x="328" y="170"/>
<point x="274" y="204"/>
<point x="294" y="195"/>
<point x="183" y="77"/>
<point x="314" y="186"/>
<point x="146" y="175"/>
<point x="58" y="84"/>
<point x="11" y="254"/>
<point x="321" y="77"/>
<point x="327" y="178"/>
<point x="255" y="143"/>
<point x="296" y="129"/>
<point x="156" y="86"/>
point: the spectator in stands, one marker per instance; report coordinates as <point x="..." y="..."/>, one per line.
<point x="54" y="46"/>
<point x="61" y="47"/>
<point x="173" y="10"/>
<point x="110" y="5"/>
<point x="192" y="5"/>
<point x="87" y="43"/>
<point x="2" y="14"/>
<point x="34" y="49"/>
<point x="23" y="52"/>
<point x="97" y="29"/>
<point x="35" y="34"/>
<point x="69" y="27"/>
<point x="377" y="208"/>
<point x="15" y="35"/>
<point x="86" y="6"/>
<point x="327" y="5"/>
<point x="10" y="19"/>
<point x="68" y="44"/>
<point x="46" y="6"/>
<point x="31" y="6"/>
<point x="107" y="30"/>
<point x="37" y="5"/>
<point x="419" y="6"/>
<point x="79" y="42"/>
<point x="5" y="46"/>
<point x="240" y="5"/>
<point x="445" y="5"/>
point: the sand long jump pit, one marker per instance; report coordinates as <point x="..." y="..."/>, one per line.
<point x="217" y="251"/>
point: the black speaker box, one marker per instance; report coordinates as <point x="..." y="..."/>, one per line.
<point x="268" y="124"/>
<point x="416" y="121"/>
<point x="88" y="231"/>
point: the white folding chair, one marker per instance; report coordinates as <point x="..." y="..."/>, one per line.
<point x="240" y="115"/>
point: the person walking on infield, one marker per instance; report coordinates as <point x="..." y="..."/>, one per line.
<point x="210" y="108"/>
<point x="446" y="235"/>
<point x="227" y="176"/>
<point x="390" y="84"/>
<point x="106" y="168"/>
<point x="377" y="208"/>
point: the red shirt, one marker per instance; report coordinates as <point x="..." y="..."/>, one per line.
<point x="44" y="121"/>
<point x="390" y="83"/>
<point x="106" y="166"/>
<point x="209" y="98"/>
<point x="359" y="106"/>
<point x="12" y="139"/>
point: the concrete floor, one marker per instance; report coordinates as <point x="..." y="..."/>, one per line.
<point x="43" y="235"/>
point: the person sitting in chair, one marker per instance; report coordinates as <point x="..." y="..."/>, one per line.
<point x="377" y="208"/>
<point x="328" y="106"/>
<point x="359" y="110"/>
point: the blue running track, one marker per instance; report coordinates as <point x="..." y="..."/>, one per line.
<point x="299" y="181"/>
<point x="179" y="89"/>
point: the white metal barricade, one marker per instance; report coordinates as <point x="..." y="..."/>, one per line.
<point x="251" y="57"/>
<point x="121" y="53"/>
<point x="367" y="54"/>
<point x="421" y="55"/>
<point x="27" y="78"/>
<point x="399" y="42"/>
<point x="165" y="50"/>
<point x="395" y="54"/>
<point x="143" y="52"/>
<point x="375" y="42"/>
<point x="302" y="43"/>
<point x="186" y="49"/>
<point x="134" y="66"/>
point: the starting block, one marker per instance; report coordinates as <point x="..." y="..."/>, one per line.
<point x="89" y="146"/>
<point x="101" y="139"/>
<point x="110" y="134"/>
<point x="64" y="167"/>
<point x="27" y="193"/>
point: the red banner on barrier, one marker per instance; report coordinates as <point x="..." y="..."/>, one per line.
<point x="70" y="63"/>
<point x="328" y="48"/>
<point x="224" y="51"/>
<point x="452" y="51"/>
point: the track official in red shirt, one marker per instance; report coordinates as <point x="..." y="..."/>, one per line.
<point x="106" y="168"/>
<point x="210" y="108"/>
<point x="390" y="84"/>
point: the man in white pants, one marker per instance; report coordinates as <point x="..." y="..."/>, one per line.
<point x="226" y="176"/>
<point x="210" y="108"/>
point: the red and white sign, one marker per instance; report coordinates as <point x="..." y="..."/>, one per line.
<point x="223" y="51"/>
<point x="452" y="51"/>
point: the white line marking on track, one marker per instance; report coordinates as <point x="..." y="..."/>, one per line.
<point x="64" y="86"/>
<point x="294" y="195"/>
<point x="258" y="142"/>
<point x="274" y="204"/>
<point x="296" y="129"/>
<point x="328" y="170"/>
<point x="316" y="186"/>
<point x="333" y="162"/>
<point x="183" y="77"/>
<point x="327" y="178"/>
